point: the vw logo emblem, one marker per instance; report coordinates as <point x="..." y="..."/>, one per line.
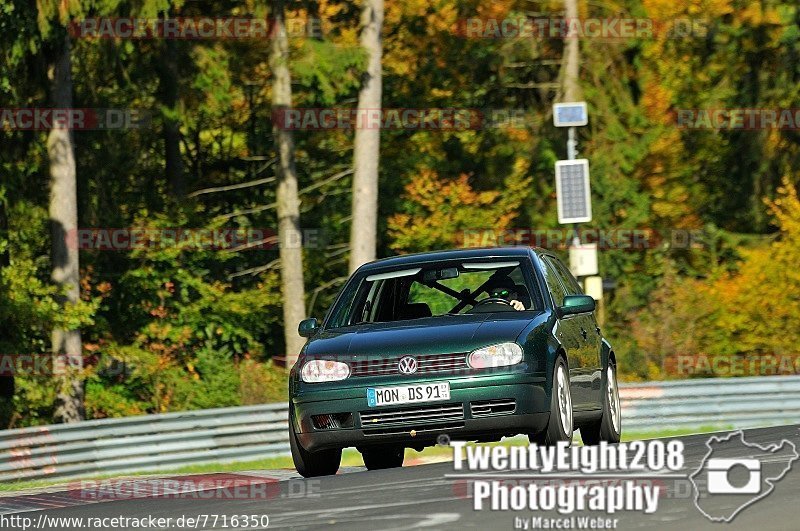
<point x="407" y="365"/>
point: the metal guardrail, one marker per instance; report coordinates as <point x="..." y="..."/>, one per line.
<point x="711" y="403"/>
<point x="144" y="443"/>
<point x="171" y="440"/>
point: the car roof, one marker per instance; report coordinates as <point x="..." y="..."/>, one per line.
<point x="454" y="254"/>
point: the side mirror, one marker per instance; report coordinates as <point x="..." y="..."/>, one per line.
<point x="308" y="327"/>
<point x="574" y="304"/>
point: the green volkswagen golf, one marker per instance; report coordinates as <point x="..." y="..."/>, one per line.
<point x="473" y="344"/>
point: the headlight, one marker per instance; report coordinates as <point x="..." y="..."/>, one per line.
<point x="316" y="371"/>
<point x="500" y="355"/>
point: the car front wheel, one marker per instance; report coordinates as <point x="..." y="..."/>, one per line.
<point x="609" y="427"/>
<point x="313" y="464"/>
<point x="559" y="426"/>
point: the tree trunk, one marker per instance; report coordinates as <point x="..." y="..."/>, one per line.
<point x="168" y="79"/>
<point x="572" y="59"/>
<point x="64" y="222"/>
<point x="289" y="232"/>
<point x="364" y="226"/>
<point x="6" y="380"/>
<point x="5" y="254"/>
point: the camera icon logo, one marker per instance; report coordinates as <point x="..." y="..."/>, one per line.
<point x="735" y="474"/>
<point x="719" y="476"/>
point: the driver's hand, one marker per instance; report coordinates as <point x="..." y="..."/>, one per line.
<point x="517" y="305"/>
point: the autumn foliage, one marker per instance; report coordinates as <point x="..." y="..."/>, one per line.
<point x="750" y="312"/>
<point x="439" y="210"/>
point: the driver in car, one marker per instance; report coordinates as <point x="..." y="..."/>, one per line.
<point x="504" y="288"/>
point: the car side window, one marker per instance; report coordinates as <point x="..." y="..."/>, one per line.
<point x="365" y="311"/>
<point x="353" y="294"/>
<point x="553" y="284"/>
<point x="570" y="284"/>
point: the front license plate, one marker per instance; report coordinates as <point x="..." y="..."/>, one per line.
<point x="407" y="394"/>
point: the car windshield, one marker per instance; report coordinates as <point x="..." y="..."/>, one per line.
<point x="435" y="290"/>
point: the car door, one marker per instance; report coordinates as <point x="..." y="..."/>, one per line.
<point x="589" y="337"/>
<point x="569" y="334"/>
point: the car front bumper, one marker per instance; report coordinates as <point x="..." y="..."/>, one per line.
<point x="480" y="407"/>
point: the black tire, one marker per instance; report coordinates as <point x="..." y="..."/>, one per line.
<point x="381" y="457"/>
<point x="559" y="425"/>
<point x="609" y="427"/>
<point x="313" y="464"/>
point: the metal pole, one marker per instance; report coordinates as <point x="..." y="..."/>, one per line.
<point x="572" y="154"/>
<point x="572" y="145"/>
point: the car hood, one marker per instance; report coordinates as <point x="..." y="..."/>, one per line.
<point x="434" y="335"/>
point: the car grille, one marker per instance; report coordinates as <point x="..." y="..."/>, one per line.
<point x="332" y="421"/>
<point x="488" y="408"/>
<point x="415" y="415"/>
<point x="415" y="430"/>
<point x="426" y="364"/>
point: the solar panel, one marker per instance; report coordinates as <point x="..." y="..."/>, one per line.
<point x="570" y="114"/>
<point x="572" y="191"/>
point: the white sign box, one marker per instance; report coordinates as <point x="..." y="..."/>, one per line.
<point x="583" y="260"/>
<point x="594" y="287"/>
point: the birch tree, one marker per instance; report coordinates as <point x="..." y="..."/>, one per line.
<point x="67" y="347"/>
<point x="572" y="59"/>
<point x="364" y="227"/>
<point x="288" y="202"/>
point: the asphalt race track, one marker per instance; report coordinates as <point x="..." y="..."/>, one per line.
<point x="421" y="497"/>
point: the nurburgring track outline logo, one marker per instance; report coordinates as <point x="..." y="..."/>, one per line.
<point x="718" y="489"/>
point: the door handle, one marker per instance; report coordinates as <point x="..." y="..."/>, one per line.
<point x="597" y="329"/>
<point x="584" y="333"/>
